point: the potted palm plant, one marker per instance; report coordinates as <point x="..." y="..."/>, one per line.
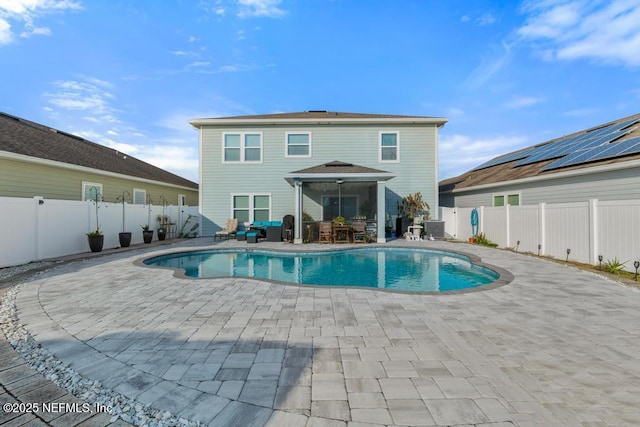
<point x="124" y="236"/>
<point x="95" y="237"/>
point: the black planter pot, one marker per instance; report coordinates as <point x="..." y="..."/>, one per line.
<point x="125" y="239"/>
<point x="162" y="233"/>
<point x="96" y="243"/>
<point x="147" y="236"/>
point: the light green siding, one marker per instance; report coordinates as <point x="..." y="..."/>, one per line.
<point x="357" y="144"/>
<point x="25" y="179"/>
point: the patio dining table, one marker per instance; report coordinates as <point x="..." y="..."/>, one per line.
<point x="341" y="233"/>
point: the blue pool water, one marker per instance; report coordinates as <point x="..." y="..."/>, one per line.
<point x="416" y="270"/>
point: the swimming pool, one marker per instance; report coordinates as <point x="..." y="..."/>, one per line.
<point x="400" y="269"/>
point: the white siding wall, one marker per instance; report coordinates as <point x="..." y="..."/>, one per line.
<point x="356" y="144"/>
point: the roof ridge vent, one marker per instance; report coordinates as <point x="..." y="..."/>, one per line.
<point x="317" y="111"/>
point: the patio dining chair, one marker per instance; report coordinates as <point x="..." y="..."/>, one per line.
<point x="325" y="234"/>
<point x="359" y="232"/>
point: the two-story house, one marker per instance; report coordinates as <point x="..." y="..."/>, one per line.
<point x="318" y="163"/>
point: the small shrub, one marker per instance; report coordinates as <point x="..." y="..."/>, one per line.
<point x="613" y="266"/>
<point x="482" y="240"/>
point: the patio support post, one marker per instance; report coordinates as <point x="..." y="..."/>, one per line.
<point x="380" y="212"/>
<point x="297" y="221"/>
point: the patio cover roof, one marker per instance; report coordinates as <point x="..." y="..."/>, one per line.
<point x="335" y="170"/>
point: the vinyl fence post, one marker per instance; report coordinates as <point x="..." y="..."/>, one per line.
<point x="542" y="228"/>
<point x="593" y="231"/>
<point x="507" y="222"/>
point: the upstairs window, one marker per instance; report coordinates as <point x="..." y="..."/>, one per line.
<point x="298" y="144"/>
<point x="389" y="147"/>
<point x="242" y="147"/>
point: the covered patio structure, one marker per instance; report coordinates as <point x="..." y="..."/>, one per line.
<point x="338" y="188"/>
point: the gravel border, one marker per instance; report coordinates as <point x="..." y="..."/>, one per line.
<point x="121" y="407"/>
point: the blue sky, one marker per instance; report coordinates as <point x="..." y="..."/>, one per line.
<point x="129" y="74"/>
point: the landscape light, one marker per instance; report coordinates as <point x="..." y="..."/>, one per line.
<point x="636" y="264"/>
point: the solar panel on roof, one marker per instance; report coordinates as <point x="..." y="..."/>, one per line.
<point x="504" y="159"/>
<point x="573" y="158"/>
<point x="573" y="149"/>
<point x="627" y="147"/>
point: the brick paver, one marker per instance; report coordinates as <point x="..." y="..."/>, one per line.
<point x="556" y="346"/>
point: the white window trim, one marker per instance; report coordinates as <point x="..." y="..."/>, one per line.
<point x="251" y="207"/>
<point x="86" y="184"/>
<point x="506" y="198"/>
<point x="286" y="144"/>
<point x="134" y="196"/>
<point x="242" y="147"/>
<point x="397" y="146"/>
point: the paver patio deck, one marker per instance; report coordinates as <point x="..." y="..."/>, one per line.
<point x="556" y="346"/>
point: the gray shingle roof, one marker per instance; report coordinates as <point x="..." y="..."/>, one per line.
<point x="339" y="167"/>
<point x="321" y="114"/>
<point x="28" y="138"/>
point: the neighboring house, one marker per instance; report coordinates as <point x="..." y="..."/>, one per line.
<point x="38" y="161"/>
<point x="602" y="163"/>
<point x="320" y="163"/>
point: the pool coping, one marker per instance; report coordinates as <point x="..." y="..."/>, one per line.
<point x="504" y="276"/>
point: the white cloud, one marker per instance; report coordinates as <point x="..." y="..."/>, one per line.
<point x="89" y="95"/>
<point x="488" y="67"/>
<point x="461" y="153"/>
<point x="454" y="112"/>
<point x="40" y="31"/>
<point x="5" y="32"/>
<point x="27" y="12"/>
<point x="581" y="112"/>
<point x="260" y="8"/>
<point x="523" y="101"/>
<point x="486" y="19"/>
<point x="198" y="64"/>
<point x="465" y="18"/>
<point x="604" y="31"/>
<point x="178" y="159"/>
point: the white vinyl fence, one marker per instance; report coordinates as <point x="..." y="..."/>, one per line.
<point x="36" y="229"/>
<point x="586" y="229"/>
